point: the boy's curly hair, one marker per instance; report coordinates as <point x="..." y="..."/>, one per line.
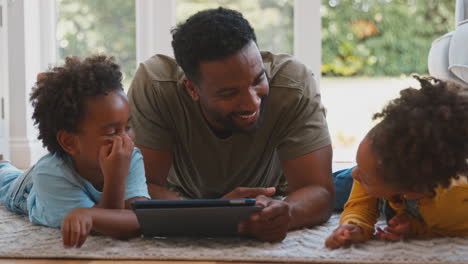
<point x="422" y="140"/>
<point x="59" y="96"/>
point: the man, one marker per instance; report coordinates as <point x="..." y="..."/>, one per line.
<point x="232" y="122"/>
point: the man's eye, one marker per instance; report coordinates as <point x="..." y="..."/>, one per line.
<point x="227" y="95"/>
<point x="113" y="133"/>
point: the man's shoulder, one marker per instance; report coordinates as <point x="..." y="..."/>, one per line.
<point x="162" y="68"/>
<point x="286" y="71"/>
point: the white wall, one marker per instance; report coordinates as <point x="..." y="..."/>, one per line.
<point x="26" y="59"/>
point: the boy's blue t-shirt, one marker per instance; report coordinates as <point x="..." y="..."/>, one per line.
<point x="57" y="188"/>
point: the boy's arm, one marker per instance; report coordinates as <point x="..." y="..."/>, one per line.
<point x="361" y="210"/>
<point x="79" y="222"/>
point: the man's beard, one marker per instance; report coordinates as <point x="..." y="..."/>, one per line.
<point x="229" y="124"/>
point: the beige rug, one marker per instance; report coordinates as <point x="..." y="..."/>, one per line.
<point x="20" y="239"/>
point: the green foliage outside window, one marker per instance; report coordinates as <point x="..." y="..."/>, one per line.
<point x="87" y="27"/>
<point x="381" y="37"/>
<point x="359" y="37"/>
<point x="272" y="20"/>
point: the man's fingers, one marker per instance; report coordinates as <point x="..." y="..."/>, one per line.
<point x="254" y="192"/>
<point x="247" y="192"/>
<point x="274" y="209"/>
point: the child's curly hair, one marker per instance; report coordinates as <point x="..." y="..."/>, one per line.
<point x="422" y="140"/>
<point x="59" y="96"/>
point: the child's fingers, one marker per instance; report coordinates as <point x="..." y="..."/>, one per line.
<point x="127" y="142"/>
<point x="390" y="236"/>
<point x="74" y="233"/>
<point x="398" y="230"/>
<point x="83" y="235"/>
<point x="333" y="242"/>
<point x="66" y="234"/>
<point x="117" y="145"/>
<point x="105" y="150"/>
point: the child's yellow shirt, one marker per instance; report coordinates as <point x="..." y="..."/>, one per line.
<point x="444" y="214"/>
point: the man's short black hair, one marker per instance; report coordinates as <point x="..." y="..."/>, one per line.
<point x="211" y="34"/>
<point x="60" y="95"/>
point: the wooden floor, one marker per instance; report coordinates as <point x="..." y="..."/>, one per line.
<point x="68" y="261"/>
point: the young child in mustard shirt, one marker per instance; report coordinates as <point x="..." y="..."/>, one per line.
<point x="413" y="166"/>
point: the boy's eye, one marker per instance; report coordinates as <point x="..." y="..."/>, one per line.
<point x="127" y="128"/>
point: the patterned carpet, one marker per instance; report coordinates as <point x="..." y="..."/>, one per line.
<point x="20" y="239"/>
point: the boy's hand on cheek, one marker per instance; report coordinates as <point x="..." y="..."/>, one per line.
<point x="115" y="158"/>
<point x="76" y="226"/>
<point x="344" y="235"/>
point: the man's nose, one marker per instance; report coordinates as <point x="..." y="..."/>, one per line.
<point x="251" y="100"/>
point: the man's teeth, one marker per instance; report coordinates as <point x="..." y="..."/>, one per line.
<point x="247" y="116"/>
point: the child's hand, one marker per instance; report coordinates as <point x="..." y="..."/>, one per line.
<point x="345" y="235"/>
<point x="115" y="158"/>
<point x="398" y="227"/>
<point x="76" y="226"/>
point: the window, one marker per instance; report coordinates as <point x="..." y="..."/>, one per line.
<point x="272" y="20"/>
<point x="89" y="27"/>
<point x="370" y="48"/>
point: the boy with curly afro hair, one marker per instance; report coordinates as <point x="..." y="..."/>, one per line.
<point x="415" y="160"/>
<point x="92" y="170"/>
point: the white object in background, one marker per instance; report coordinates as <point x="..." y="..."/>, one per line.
<point x="458" y="51"/>
<point x="461" y="11"/>
<point x="438" y="59"/>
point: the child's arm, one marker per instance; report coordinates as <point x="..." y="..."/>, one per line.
<point x="360" y="215"/>
<point x="79" y="222"/>
<point x="115" y="163"/>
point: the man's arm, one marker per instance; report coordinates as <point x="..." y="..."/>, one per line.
<point x="157" y="166"/>
<point x="311" y="188"/>
<point x="309" y="203"/>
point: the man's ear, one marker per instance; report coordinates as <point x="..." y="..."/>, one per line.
<point x="191" y="89"/>
<point x="68" y="141"/>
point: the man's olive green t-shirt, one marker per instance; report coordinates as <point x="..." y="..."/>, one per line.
<point x="165" y="118"/>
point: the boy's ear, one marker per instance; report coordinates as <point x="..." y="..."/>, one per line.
<point x="68" y="142"/>
<point x="191" y="89"/>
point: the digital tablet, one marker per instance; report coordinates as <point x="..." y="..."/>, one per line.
<point x="201" y="217"/>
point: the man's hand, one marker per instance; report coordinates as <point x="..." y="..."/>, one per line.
<point x="114" y="158"/>
<point x="345" y="235"/>
<point x="76" y="226"/>
<point x="271" y="224"/>
<point x="398" y="227"/>
<point x="246" y="192"/>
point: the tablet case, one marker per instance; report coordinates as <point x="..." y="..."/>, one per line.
<point x="195" y="218"/>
